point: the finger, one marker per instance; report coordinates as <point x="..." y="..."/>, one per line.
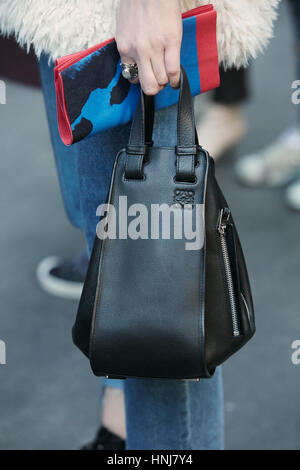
<point x="134" y="81"/>
<point x="127" y="60"/>
<point x="172" y="64"/>
<point x="147" y="78"/>
<point x="159" y="68"/>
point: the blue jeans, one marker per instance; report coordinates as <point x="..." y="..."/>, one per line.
<point x="65" y="157"/>
<point x="160" y="414"/>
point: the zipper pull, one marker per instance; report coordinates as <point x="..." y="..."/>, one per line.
<point x="223" y="220"/>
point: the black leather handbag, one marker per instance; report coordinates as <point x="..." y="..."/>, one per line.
<point x="150" y="307"/>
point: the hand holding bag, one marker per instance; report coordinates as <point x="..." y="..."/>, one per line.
<point x="92" y="95"/>
<point x="156" y="306"/>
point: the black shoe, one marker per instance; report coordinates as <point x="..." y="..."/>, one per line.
<point x="63" y="278"/>
<point x="105" y="440"/>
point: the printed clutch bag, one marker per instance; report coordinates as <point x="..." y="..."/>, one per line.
<point x="92" y="95"/>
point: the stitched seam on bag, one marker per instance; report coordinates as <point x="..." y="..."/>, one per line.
<point x="97" y="298"/>
<point x="201" y="318"/>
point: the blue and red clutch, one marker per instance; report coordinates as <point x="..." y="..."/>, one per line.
<point x="92" y="95"/>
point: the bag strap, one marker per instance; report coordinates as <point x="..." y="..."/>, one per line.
<point x="186" y="148"/>
<point x="141" y="135"/>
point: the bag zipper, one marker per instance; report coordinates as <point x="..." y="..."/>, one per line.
<point x="222" y="226"/>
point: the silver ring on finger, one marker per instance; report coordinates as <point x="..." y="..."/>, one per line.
<point x="130" y="71"/>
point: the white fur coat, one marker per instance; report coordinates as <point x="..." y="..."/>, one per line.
<point x="60" y="27"/>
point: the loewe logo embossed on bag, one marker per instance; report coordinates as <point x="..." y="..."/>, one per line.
<point x="184" y="197"/>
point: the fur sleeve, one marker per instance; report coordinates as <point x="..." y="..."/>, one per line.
<point x="60" y="27"/>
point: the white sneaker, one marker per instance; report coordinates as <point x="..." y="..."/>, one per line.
<point x="63" y="278"/>
<point x="292" y="196"/>
<point x="221" y="128"/>
<point x="273" y="166"/>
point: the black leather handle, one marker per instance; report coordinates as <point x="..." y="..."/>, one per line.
<point x="185" y="118"/>
<point x="187" y="139"/>
<point x="141" y="135"/>
<point x="142" y="124"/>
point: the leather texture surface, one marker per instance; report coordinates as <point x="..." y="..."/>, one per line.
<point x="147" y="317"/>
<point x="150" y="307"/>
<point x="220" y="342"/>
